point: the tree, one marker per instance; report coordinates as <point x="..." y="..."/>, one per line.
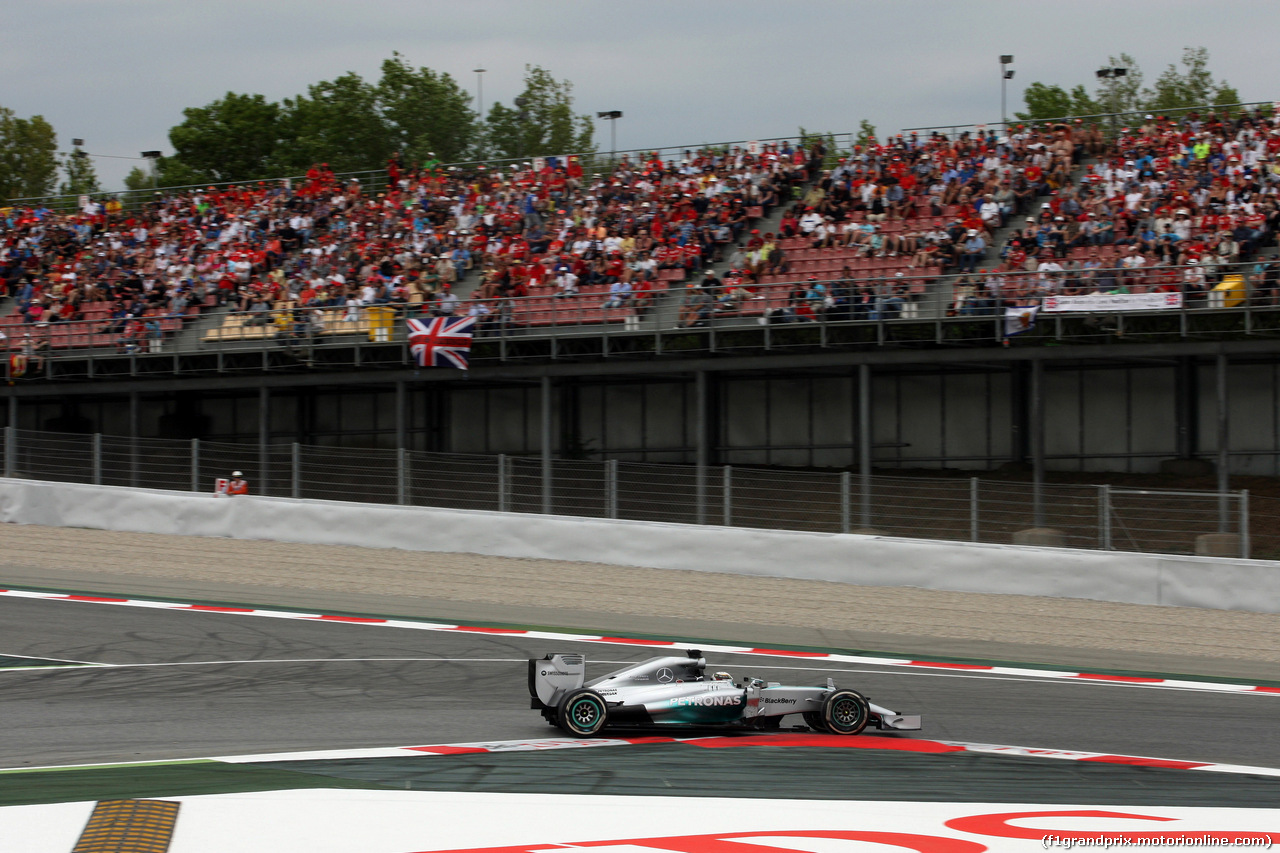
<point x="427" y="114"/>
<point x="232" y="139"/>
<point x="542" y="121"/>
<point x="82" y="178"/>
<point x="1193" y="87"/>
<point x="172" y="172"/>
<point x="866" y="133"/>
<point x="138" y="179"/>
<point x="338" y="122"/>
<point x="28" y="156"/>
<point x="1121" y="94"/>
<point x="1046" y="102"/>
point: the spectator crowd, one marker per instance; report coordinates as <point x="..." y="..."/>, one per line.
<point x="540" y="226"/>
<point x="1172" y="203"/>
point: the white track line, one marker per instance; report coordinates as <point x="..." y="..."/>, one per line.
<point x="1062" y="676"/>
<point x="264" y="660"/>
<point x="46" y="657"/>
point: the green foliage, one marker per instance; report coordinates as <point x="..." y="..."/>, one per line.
<point x="138" y="179"/>
<point x="1194" y="86"/>
<point x="1122" y="94"/>
<point x="427" y="113"/>
<point x="541" y="121"/>
<point x="347" y="122"/>
<point x="81" y="176"/>
<point x="866" y="133"/>
<point x="1047" y="102"/>
<point x="338" y="122"/>
<point x="229" y="140"/>
<point x="172" y="172"/>
<point x="28" y="156"/>
<point x="828" y="140"/>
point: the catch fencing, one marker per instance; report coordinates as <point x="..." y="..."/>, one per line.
<point x="957" y="509"/>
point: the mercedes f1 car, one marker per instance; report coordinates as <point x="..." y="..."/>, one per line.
<point x="677" y="691"/>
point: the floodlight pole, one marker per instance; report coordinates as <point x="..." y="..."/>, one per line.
<point x="612" y="116"/>
<point x="1110" y="75"/>
<point x="1005" y="75"/>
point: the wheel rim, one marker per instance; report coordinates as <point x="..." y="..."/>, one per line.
<point x="846" y="713"/>
<point x="585" y="713"/>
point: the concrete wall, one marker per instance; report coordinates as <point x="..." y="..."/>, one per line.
<point x="875" y="561"/>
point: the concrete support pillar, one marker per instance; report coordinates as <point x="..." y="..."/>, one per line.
<point x="1035" y="425"/>
<point x="135" y="427"/>
<point x="264" y="440"/>
<point x="701" y="442"/>
<point x="1224" y="447"/>
<point x="864" y="445"/>
<point x="545" y="419"/>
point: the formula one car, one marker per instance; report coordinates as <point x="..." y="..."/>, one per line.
<point x="677" y="691"/>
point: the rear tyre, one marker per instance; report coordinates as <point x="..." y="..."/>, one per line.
<point x="582" y="713"/>
<point x="845" y="712"/>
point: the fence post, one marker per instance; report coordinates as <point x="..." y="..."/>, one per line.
<point x="295" y="465"/>
<point x="1104" y="517"/>
<point x="611" y="488"/>
<point x="502" y="482"/>
<point x="846" y="488"/>
<point x="865" y="521"/>
<point x="973" y="509"/>
<point x="402" y="476"/>
<point x="195" y="464"/>
<point x="1244" y="524"/>
<point x="727" y="493"/>
<point x="10" y="450"/>
<point x="97" y="459"/>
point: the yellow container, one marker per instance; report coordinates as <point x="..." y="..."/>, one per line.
<point x="1229" y="293"/>
<point x="382" y="321"/>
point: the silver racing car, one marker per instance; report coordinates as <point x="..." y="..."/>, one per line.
<point x="677" y="691"/>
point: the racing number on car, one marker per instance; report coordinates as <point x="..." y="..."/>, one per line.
<point x="665" y="675"/>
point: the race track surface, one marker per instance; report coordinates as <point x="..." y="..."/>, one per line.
<point x="194" y="684"/>
<point x="88" y="683"/>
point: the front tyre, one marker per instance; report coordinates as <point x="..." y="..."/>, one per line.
<point x="582" y="713"/>
<point x="845" y="712"/>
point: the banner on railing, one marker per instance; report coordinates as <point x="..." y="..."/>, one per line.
<point x="1113" y="302"/>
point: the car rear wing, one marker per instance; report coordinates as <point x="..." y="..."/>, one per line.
<point x="552" y="676"/>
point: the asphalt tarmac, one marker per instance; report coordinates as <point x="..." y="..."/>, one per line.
<point x="193" y="684"/>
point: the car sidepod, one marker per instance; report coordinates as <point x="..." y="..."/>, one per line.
<point x="697" y="703"/>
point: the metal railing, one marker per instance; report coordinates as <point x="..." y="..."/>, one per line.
<point x="871" y="307"/>
<point x="961" y="510"/>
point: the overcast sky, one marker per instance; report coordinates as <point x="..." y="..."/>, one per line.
<point x="118" y="73"/>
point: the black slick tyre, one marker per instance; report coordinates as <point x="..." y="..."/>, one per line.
<point x="582" y="712"/>
<point x="845" y="712"/>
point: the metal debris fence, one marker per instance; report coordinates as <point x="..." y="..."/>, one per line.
<point x="955" y="509"/>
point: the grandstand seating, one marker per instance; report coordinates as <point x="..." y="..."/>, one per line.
<point x="323" y="243"/>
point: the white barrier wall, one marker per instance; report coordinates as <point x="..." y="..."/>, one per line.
<point x="844" y="558"/>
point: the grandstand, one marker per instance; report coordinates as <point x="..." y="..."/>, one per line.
<point x="825" y="305"/>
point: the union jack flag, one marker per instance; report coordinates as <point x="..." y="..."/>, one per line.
<point x="441" y="341"/>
